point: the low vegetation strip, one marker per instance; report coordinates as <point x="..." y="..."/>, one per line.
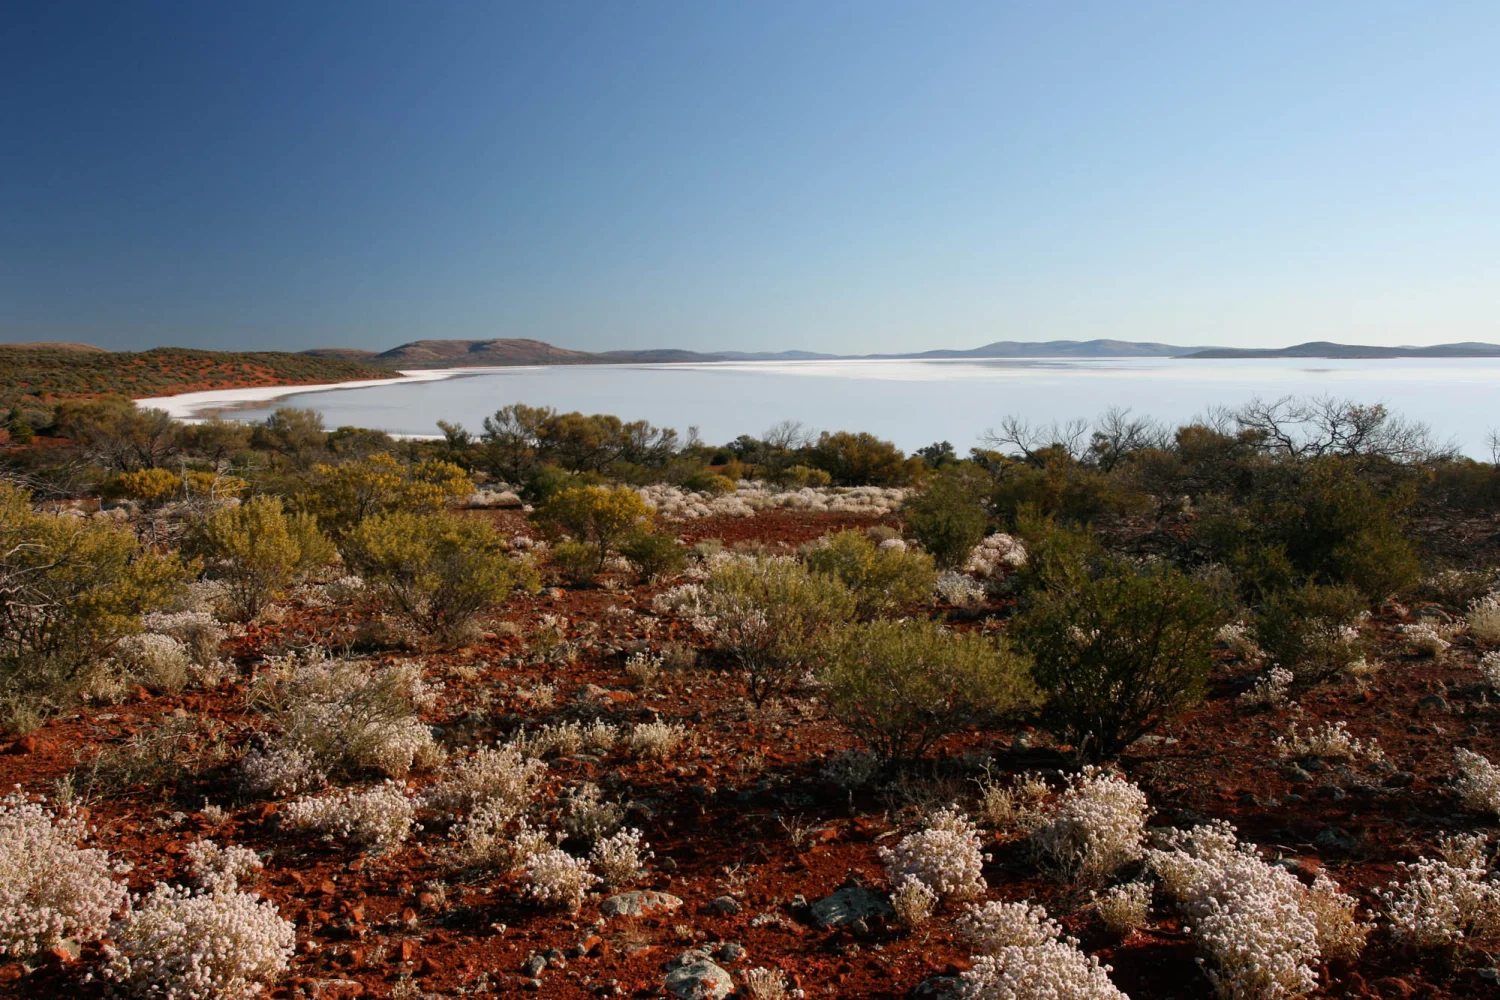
<point x="36" y="375"/>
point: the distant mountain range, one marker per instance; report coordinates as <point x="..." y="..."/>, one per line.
<point x="506" y="351"/>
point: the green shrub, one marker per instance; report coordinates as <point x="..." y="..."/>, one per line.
<point x="903" y="685"/>
<point x="770" y="614"/>
<point x="880" y="579"/>
<point x="654" y="556"/>
<point x="436" y="572"/>
<point x="258" y="549"/>
<point x="948" y="515"/>
<point x="1118" y="649"/>
<point x="859" y="459"/>
<point x="544" y="482"/>
<point x="69" y="589"/>
<point x="576" y="562"/>
<point x="341" y="496"/>
<point x="709" y="482"/>
<point x="150" y="486"/>
<point x="800" y="477"/>
<point x="1312" y="630"/>
<point x="595" y="515"/>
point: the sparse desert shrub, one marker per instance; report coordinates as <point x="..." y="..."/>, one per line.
<point x="1465" y="849"/>
<point x="341" y="496"/>
<point x="1484" y="620"/>
<point x="989" y="927"/>
<point x="704" y="481"/>
<point x="1124" y="908"/>
<point x="339" y="718"/>
<point x="164" y="755"/>
<point x="596" y="516"/>
<point x="555" y="878"/>
<point x="913" y="902"/>
<point x="588" y="816"/>
<point x="576" y="562"/>
<point x="1478" y="783"/>
<point x="1435" y="904"/>
<point x="881" y="579"/>
<point x="1489" y="669"/>
<point x="1237" y="638"/>
<point x="257" y="549"/>
<point x="50" y="888"/>
<point x="654" y="740"/>
<point x="1425" y="639"/>
<point x="655" y="557"/>
<point x="1023" y="955"/>
<point x="561" y="739"/>
<point x="761" y="983"/>
<point x="642" y="669"/>
<point x="959" y="590"/>
<point x="157" y="661"/>
<point x="1096" y="826"/>
<point x="1019" y="806"/>
<point x="903" y="685"/>
<point x="1118" y="650"/>
<point x="198" y="631"/>
<point x="621" y="858"/>
<point x="216" y="867"/>
<point x="1457" y="589"/>
<point x="947" y="516"/>
<point x="1313" y="630"/>
<point x="1341" y="934"/>
<point x="436" y="572"/>
<point x="216" y="945"/>
<point x="945" y="857"/>
<point x="502" y="776"/>
<point x="69" y="589"/>
<point x="1332" y="740"/>
<point x="995" y="554"/>
<point x="769" y="613"/>
<point x="380" y="817"/>
<point x="1270" y="691"/>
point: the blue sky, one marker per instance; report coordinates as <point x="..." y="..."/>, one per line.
<point x="849" y="177"/>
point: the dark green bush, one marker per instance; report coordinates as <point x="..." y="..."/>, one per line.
<point x="901" y="686"/>
<point x="948" y="515"/>
<point x="1118" y="648"/>
<point x="859" y="459"/>
<point x="654" y="556"/>
<point x="880" y="579"/>
<point x="1312" y="630"/>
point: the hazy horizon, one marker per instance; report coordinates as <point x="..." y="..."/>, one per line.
<point x="844" y="177"/>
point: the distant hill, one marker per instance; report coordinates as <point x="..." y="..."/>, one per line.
<point x="1061" y="349"/>
<point x="1325" y="349"/>
<point x="55" y="345"/>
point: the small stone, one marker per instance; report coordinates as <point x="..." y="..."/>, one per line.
<point x="699" y="980"/>
<point x="1332" y="793"/>
<point x="725" y="906"/>
<point x="639" y="903"/>
<point x="535" y="966"/>
<point x="1433" y="703"/>
<point x="848" y="905"/>
<point x="729" y="951"/>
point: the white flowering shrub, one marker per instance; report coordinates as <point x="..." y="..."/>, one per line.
<point x="761" y="983"/>
<point x="184" y="945"/>
<point x="1262" y="930"/>
<point x="654" y="740"/>
<point x="158" y="661"/>
<point x="1332" y="740"/>
<point x="912" y="902"/>
<point x="620" y="859"/>
<point x="684" y="601"/>
<point x="1435" y="904"/>
<point x="501" y="776"/>
<point x="207" y="597"/>
<point x="1484" y="620"/>
<point x="1270" y="691"/>
<point x="1023" y="955"/>
<point x="339" y="717"/>
<point x="216" y="867"/>
<point x="997" y="553"/>
<point x="1239" y="640"/>
<point x="346" y="590"/>
<point x="1478" y="784"/>
<point x="1095" y="827"/>
<point x="1124" y="908"/>
<point x="1425" y="639"/>
<point x="380" y="817"/>
<point x="958" y="589"/>
<point x="600" y="736"/>
<point x="1465" y="850"/>
<point x="945" y="857"/>
<point x="556" y="878"/>
<point x="588" y="816"/>
<point x="200" y="632"/>
<point x="642" y="669"/>
<point x="673" y="503"/>
<point x="562" y="739"/>
<point x="50" y="888"/>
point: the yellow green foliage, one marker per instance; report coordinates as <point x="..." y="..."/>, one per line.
<point x="435" y="571"/>
<point x="257" y="548"/>
<point x="598" y="516"/>
<point x="69" y="588"/>
<point x="881" y="579"/>
<point x="341" y="496"/>
<point x="150" y="486"/>
<point x="903" y="685"/>
<point x="213" y="485"/>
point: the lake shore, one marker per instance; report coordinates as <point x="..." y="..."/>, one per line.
<point x="195" y="406"/>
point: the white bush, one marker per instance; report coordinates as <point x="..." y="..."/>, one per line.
<point x="500" y="776"/>
<point x="996" y="553"/>
<point x="1124" y="908"/>
<point x="945" y="857"/>
<point x="201" y="633"/>
<point x="219" y="945"/>
<point x="1262" y="930"/>
<point x="1484" y="620"/>
<point x="958" y="589"/>
<point x="379" y="817"/>
<point x="1436" y="904"/>
<point x="588" y="817"/>
<point x="1096" y="826"/>
<point x="1465" y="850"/>
<point x="1271" y="690"/>
<point x="346" y="590"/>
<point x="913" y="902"/>
<point x="1424" y="639"/>
<point x="1237" y="637"/>
<point x="158" y="661"/>
<point x="1478" y="784"/>
<point x="1489" y="667"/>
<point x="50" y="888"/>
<point x="1024" y="956"/>
<point x="1332" y="740"/>
<point x="600" y="736"/>
<point x="762" y="983"/>
<point x="654" y="740"/>
<point x="556" y="878"/>
<point x="216" y="867"/>
<point x="621" y="858"/>
<point x="562" y="739"/>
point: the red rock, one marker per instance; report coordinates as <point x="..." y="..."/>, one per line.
<point x="408" y="950"/>
<point x="327" y="888"/>
<point x="431" y="966"/>
<point x="408" y="915"/>
<point x="26" y="744"/>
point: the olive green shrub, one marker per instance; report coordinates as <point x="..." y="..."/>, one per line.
<point x="881" y="577"/>
<point x="257" y="549"/>
<point x="341" y="496"/>
<point x="901" y="686"/>
<point x="1312" y="630"/>
<point x="947" y="516"/>
<point x="598" y="516"/>
<point x="654" y="556"/>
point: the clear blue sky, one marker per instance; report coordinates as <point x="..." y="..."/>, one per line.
<point x="850" y="177"/>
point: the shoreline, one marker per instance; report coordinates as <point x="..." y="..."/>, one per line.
<point x="193" y="407"/>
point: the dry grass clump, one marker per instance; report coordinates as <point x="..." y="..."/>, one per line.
<point x="761" y="983"/>
<point x="588" y="817"/>
<point x="913" y="902"/>
<point x="1484" y="620"/>
<point x="1331" y="740"/>
<point x="655" y="740"/>
<point x="1124" y="908"/>
<point x="1014" y="808"/>
<point x="500" y="775"/>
